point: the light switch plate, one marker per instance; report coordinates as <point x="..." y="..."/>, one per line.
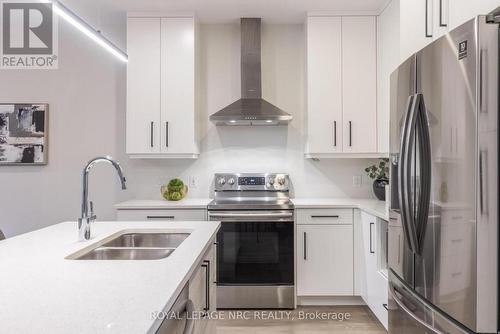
<point x="357" y="181"/>
<point x="193" y="182"/>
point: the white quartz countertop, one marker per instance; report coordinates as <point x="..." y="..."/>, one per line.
<point x="42" y="292"/>
<point x="186" y="203"/>
<point x="371" y="206"/>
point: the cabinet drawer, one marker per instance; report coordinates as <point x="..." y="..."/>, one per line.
<point x="162" y="215"/>
<point x="324" y="216"/>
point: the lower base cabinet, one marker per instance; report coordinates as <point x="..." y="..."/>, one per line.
<point x="196" y="300"/>
<point x="202" y="290"/>
<point x="371" y="260"/>
<point x="325" y="257"/>
<point x="342" y="253"/>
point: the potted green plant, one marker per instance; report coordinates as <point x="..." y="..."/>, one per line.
<point x="380" y="174"/>
<point x="175" y="190"/>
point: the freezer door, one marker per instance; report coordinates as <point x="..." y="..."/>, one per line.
<point x="445" y="263"/>
<point x="410" y="314"/>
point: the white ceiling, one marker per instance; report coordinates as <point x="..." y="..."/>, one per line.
<point x="218" y="11"/>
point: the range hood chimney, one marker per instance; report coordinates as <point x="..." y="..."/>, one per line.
<point x="251" y="109"/>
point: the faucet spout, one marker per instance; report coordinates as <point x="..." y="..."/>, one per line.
<point x="87" y="218"/>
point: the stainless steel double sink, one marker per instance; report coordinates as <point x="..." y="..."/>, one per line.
<point x="135" y="246"/>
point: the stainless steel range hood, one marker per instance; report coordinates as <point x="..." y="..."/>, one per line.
<point x="251" y="109"/>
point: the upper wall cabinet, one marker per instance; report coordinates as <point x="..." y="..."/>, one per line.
<point x="341" y="87"/>
<point x="161" y="87"/>
<point x="423" y="21"/>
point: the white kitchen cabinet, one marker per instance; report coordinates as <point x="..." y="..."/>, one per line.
<point x="324" y="84"/>
<point x="423" y="21"/>
<point x="461" y="11"/>
<point x="202" y="290"/>
<point x="371" y="258"/>
<point x="341" y="86"/>
<point x="387" y="61"/>
<point x="143" y="85"/>
<point x="161" y="87"/>
<point x="162" y="215"/>
<point x="359" y="84"/>
<point x="325" y="258"/>
<point x="416" y="19"/>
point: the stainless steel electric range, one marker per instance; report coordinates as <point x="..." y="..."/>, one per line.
<point x="255" y="257"/>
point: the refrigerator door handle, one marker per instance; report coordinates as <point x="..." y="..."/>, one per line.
<point x="424" y="145"/>
<point x="394" y="293"/>
<point x="483" y="202"/>
<point x="482" y="77"/>
<point x="404" y="179"/>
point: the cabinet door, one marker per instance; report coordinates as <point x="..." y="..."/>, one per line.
<point x="325" y="260"/>
<point x="368" y="227"/>
<point x="440" y="21"/>
<point x="197" y="294"/>
<point x="143" y="85"/>
<point x="462" y="11"/>
<point x="359" y="71"/>
<point x="375" y="293"/>
<point x="178" y="86"/>
<point x="416" y="25"/>
<point x="324" y="84"/>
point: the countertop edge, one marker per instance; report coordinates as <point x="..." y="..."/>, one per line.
<point x="373" y="207"/>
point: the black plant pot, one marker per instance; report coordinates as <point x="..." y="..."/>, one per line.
<point x="379" y="188"/>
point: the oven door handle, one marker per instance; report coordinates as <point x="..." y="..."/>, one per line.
<point x="280" y="216"/>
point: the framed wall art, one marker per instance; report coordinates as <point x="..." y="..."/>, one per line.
<point x="23" y="133"/>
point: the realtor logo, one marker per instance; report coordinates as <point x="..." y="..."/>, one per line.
<point x="28" y="36"/>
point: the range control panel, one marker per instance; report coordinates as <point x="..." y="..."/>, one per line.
<point x="252" y="182"/>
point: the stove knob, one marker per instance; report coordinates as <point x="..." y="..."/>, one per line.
<point x="281" y="181"/>
<point x="231" y="181"/>
<point x="222" y="181"/>
<point x="271" y="182"/>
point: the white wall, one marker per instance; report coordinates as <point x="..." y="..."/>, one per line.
<point x="86" y="98"/>
<point x="387" y="61"/>
<point x="87" y="118"/>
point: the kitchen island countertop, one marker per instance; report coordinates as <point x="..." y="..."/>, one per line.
<point x="43" y="292"/>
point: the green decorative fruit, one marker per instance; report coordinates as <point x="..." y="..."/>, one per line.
<point x="175" y="190"/>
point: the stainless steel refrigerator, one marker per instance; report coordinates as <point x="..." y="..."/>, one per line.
<point x="443" y="229"/>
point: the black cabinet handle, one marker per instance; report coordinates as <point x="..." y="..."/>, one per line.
<point x="441" y="21"/>
<point x="335" y="133"/>
<point x="160" y="217"/>
<point x="350" y="133"/>
<point x="206" y="265"/>
<point x="151" y="133"/>
<point x="427" y="34"/>
<point x="166" y="134"/>
<point x="371" y="243"/>
<point x="333" y="216"/>
<point x="305" y="245"/>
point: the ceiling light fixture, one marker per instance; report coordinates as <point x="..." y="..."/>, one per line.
<point x="76" y="21"/>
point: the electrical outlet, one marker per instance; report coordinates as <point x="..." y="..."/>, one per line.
<point x="357" y="181"/>
<point x="193" y="182"/>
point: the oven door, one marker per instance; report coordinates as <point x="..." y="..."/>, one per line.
<point x="255" y="247"/>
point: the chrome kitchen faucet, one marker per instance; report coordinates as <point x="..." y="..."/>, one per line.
<point x="88" y="218"/>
